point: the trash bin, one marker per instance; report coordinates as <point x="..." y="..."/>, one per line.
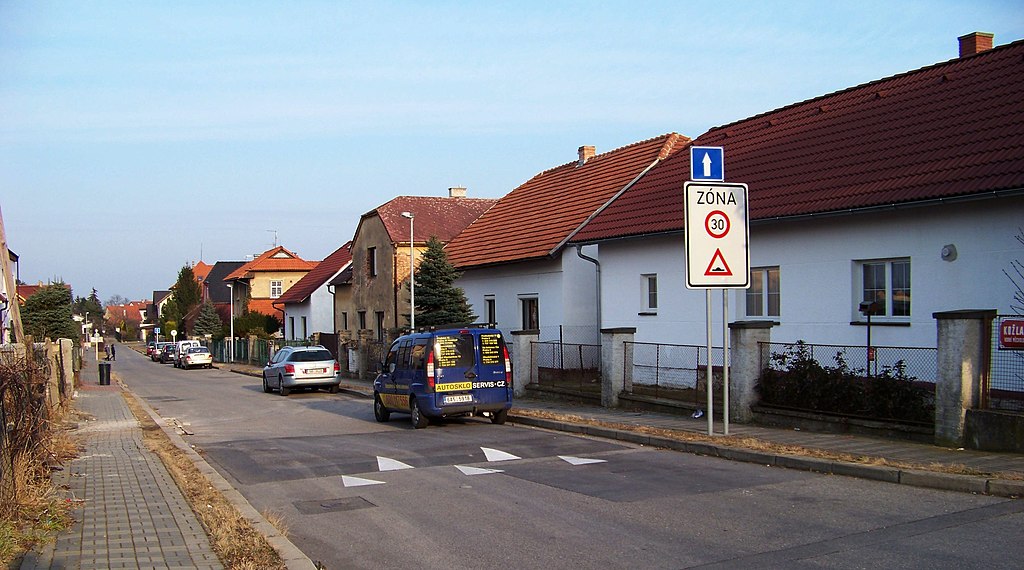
<point x="104" y="374"/>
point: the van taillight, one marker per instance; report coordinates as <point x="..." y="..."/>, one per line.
<point x="289" y="369"/>
<point x="430" y="371"/>
<point x="508" y="366"/>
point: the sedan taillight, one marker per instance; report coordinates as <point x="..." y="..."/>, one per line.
<point x="289" y="369"/>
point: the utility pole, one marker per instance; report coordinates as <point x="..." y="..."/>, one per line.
<point x="12" y="290"/>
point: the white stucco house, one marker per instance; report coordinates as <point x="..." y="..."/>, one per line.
<point x="908" y="191"/>
<point x="517" y="270"/>
<point x="308" y="305"/>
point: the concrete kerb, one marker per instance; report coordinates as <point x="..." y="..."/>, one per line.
<point x="915" y="478"/>
<point x="290" y="554"/>
<point x="343" y="388"/>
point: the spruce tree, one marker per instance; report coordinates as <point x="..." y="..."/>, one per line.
<point x="208" y="322"/>
<point x="187" y="293"/>
<point x="438" y="301"/>
<point x="48" y="313"/>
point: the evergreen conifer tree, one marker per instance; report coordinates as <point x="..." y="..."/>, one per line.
<point x="438" y="301"/>
<point x="48" y="313"/>
<point x="208" y="322"/>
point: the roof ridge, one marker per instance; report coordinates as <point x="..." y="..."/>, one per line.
<point x="862" y="86"/>
<point x="603" y="154"/>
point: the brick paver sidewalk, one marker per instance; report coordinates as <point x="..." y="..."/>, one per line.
<point x="131" y="513"/>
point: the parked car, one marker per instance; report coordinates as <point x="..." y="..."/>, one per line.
<point x="158" y="350"/>
<point x="197" y="356"/>
<point x="295" y="367"/>
<point x="167" y="354"/>
<point x="150" y="347"/>
<point x="445" y="373"/>
<point x="180" y="348"/>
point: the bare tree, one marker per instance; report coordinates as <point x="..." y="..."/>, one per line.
<point x="1016" y="276"/>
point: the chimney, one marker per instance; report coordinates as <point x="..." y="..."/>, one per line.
<point x="457" y="192"/>
<point x="586" y="153"/>
<point x="975" y="42"/>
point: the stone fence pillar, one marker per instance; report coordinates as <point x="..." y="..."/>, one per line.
<point x="964" y="339"/>
<point x="613" y="363"/>
<point x="523" y="369"/>
<point x="745" y="364"/>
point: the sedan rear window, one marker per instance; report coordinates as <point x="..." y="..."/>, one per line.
<point x="310" y="356"/>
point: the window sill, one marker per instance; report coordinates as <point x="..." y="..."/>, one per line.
<point x="648" y="313"/>
<point x="880" y="323"/>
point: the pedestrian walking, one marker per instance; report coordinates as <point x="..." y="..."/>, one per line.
<point x="106" y="350"/>
<point x="113" y="352"/>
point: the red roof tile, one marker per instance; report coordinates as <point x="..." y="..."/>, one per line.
<point x="951" y="129"/>
<point x="276" y="259"/>
<point x="265" y="306"/>
<point x="435" y="216"/>
<point x="324" y="270"/>
<point x="201" y="270"/>
<point x="536" y="218"/>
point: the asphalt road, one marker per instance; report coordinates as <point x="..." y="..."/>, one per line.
<point x="467" y="494"/>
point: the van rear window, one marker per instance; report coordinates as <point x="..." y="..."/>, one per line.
<point x="491" y="352"/>
<point x="454" y="351"/>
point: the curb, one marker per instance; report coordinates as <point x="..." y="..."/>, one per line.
<point x="293" y="558"/>
<point x="914" y="478"/>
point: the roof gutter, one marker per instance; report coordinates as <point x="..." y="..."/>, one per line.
<point x="836" y="213"/>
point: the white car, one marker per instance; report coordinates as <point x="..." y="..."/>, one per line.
<point x="197" y="356"/>
<point x="308" y="367"/>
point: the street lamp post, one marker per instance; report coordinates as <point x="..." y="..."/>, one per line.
<point x="231" y="343"/>
<point x="412" y="275"/>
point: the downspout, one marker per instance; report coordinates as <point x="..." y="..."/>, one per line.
<point x="597" y="266"/>
<point x="334" y="308"/>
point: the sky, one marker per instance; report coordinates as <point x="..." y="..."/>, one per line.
<point x="138" y="137"/>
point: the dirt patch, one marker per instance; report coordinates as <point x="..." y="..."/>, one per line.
<point x="770" y="447"/>
<point x="234" y="539"/>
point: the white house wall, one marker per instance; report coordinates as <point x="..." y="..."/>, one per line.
<point x="319" y="313"/>
<point x="565" y="288"/>
<point x="818" y="283"/>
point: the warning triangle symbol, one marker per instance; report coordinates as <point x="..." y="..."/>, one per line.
<point x="718" y="267"/>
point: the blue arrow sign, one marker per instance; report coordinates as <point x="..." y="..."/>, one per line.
<point x="707" y="163"/>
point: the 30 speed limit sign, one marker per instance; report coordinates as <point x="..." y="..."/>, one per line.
<point x="717" y="236"/>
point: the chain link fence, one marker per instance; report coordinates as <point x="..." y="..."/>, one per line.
<point x="1005" y="385"/>
<point x="673" y="371"/>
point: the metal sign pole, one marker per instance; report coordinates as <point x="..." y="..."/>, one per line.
<point x="711" y="408"/>
<point x="725" y="361"/>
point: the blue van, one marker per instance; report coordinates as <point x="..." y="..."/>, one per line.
<point x="445" y="373"/>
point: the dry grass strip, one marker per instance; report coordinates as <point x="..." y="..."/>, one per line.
<point x="769" y="447"/>
<point x="233" y="538"/>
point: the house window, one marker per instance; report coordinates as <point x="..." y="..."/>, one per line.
<point x="380" y="325"/>
<point x="649" y="293"/>
<point x="490" y="310"/>
<point x="362" y="320"/>
<point x="305" y="333"/>
<point x="276" y="287"/>
<point x="531" y="313"/>
<point x="886" y="282"/>
<point x="371" y="261"/>
<point x="291" y="325"/>
<point x="344" y="321"/>
<point x="763" y="297"/>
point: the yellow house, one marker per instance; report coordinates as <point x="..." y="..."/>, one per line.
<point x="264" y="279"/>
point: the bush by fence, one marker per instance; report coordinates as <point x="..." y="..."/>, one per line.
<point x="795" y="378"/>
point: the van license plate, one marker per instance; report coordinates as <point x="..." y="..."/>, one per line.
<point x="459" y="399"/>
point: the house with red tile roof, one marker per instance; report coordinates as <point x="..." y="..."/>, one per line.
<point x="908" y="190"/>
<point x="381" y="258"/>
<point x="309" y="305"/>
<point x="257" y="284"/>
<point x="518" y="271"/>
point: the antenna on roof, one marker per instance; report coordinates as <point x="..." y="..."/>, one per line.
<point x="275" y="236"/>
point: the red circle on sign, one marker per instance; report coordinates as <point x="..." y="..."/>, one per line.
<point x="722" y="224"/>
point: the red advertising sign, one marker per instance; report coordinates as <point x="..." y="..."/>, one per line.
<point x="1011" y="334"/>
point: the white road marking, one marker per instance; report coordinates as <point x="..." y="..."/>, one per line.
<point x="580" y="460"/>
<point x="496" y="455"/>
<point x="388" y="464"/>
<point x="476" y="470"/>
<point x="358" y="481"/>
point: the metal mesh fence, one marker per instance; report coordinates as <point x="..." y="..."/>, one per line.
<point x="1005" y="389"/>
<point x="568" y="366"/>
<point x="672" y="371"/>
<point x="918" y="363"/>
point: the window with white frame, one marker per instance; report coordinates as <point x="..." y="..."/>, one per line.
<point x="276" y="288"/>
<point x="490" y="310"/>
<point x="887" y="283"/>
<point x="531" y="313"/>
<point x="649" y="293"/>
<point x="763" y="295"/>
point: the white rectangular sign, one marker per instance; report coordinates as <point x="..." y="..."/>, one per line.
<point x="717" y="236"/>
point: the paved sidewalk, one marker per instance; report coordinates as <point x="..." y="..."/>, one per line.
<point x="996" y="473"/>
<point x="131" y="513"/>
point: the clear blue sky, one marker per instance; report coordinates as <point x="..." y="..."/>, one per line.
<point x="137" y="136"/>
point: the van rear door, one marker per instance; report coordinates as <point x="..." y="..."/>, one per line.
<point x="455" y="368"/>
